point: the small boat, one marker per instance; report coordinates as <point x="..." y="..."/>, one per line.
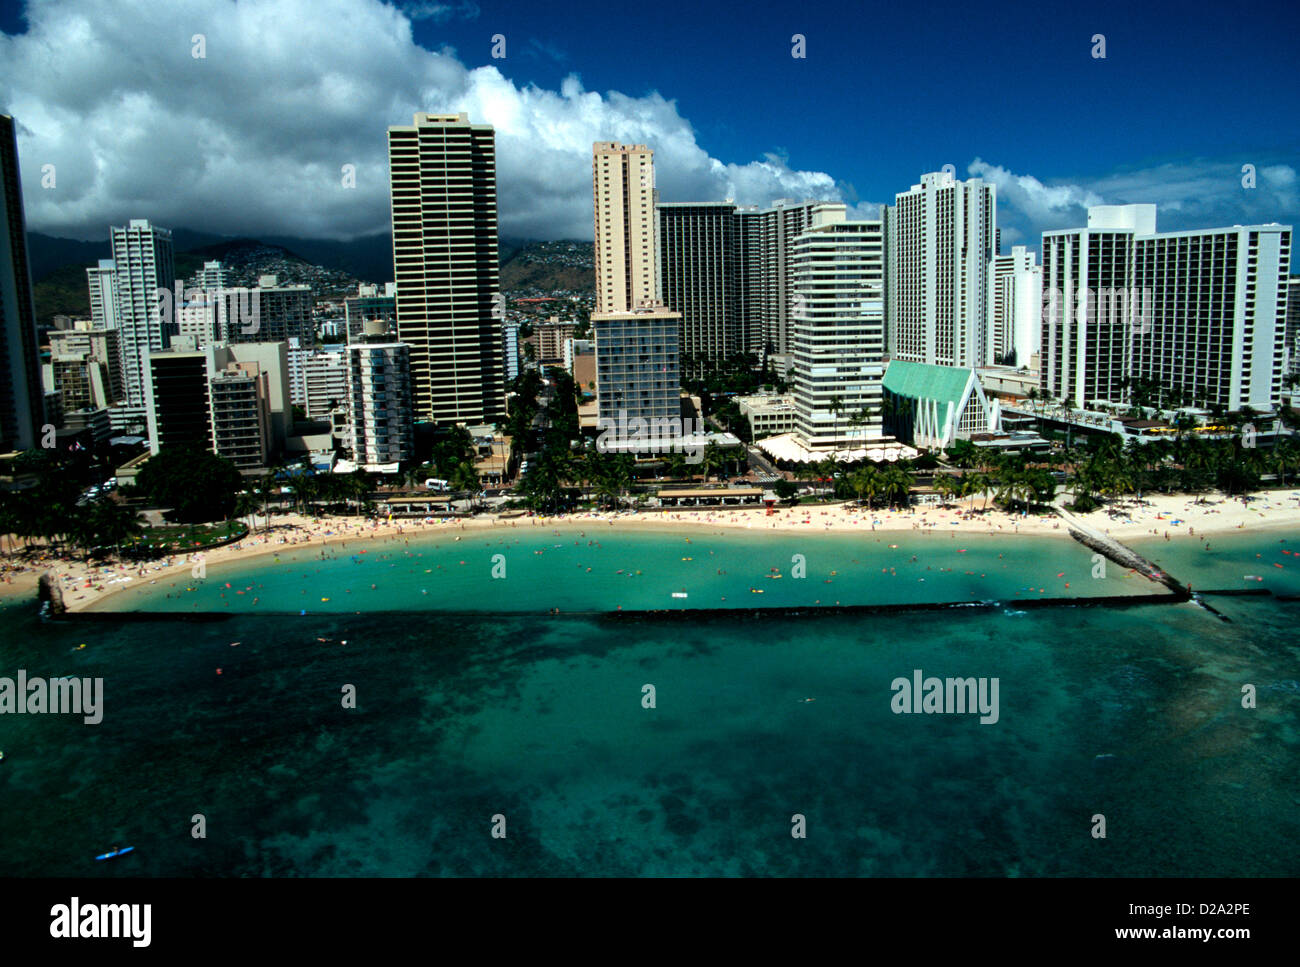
<point x="679" y="594"/>
<point x="116" y="852"/>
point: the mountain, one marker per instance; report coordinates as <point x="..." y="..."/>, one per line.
<point x="566" y="265"/>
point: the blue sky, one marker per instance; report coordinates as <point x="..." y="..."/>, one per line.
<point x="250" y="138"/>
<point x="890" y="89"/>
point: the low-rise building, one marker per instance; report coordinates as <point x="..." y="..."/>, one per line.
<point x="932" y="406"/>
<point x="768" y="414"/>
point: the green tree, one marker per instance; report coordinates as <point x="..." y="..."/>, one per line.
<point x="195" y="483"/>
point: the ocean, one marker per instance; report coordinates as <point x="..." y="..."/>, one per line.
<point x="479" y="711"/>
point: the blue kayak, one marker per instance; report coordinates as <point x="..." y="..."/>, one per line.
<point x="109" y="856"/>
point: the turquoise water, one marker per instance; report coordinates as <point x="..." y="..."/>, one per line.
<point x="585" y="569"/>
<point x="1131" y="712"/>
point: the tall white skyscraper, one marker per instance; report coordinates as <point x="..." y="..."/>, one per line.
<point x="102" y="282"/>
<point x="1015" y="306"/>
<point x="837" y="330"/>
<point x="22" y="403"/>
<point x="443" y="183"/>
<point x="1118" y="308"/>
<point x="144" y="269"/>
<point x="623" y="190"/>
<point x="940" y="237"/>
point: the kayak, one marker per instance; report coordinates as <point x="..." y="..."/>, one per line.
<point x="109" y="856"/>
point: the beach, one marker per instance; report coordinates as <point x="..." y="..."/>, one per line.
<point x="1176" y="517"/>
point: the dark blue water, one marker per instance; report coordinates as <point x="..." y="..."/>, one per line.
<point x="1134" y="713"/>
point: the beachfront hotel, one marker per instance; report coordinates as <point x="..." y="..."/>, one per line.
<point x="443" y="194"/>
<point x="22" y="404"/>
<point x="637" y="370"/>
<point x="838" y="329"/>
<point x="623" y="192"/>
<point x="379" y="398"/>
<point x="940" y="238"/>
<point x="1203" y="312"/>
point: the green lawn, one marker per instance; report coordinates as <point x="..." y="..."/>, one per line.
<point x="179" y="538"/>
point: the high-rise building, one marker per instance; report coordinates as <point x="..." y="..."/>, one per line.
<point x="726" y="269"/>
<point x="939" y="241"/>
<point x="1199" y="315"/>
<point x="637" y="369"/>
<point x="325" y="382"/>
<point x="837" y="332"/>
<point x="1085" y="341"/>
<point x="90" y="373"/>
<point x="270" y="312"/>
<point x="510" y="349"/>
<point x="768" y="236"/>
<point x="232" y="400"/>
<point x="444" y="210"/>
<point x="101" y="279"/>
<point x="271" y="361"/>
<point x="146" y="276"/>
<point x="200" y="317"/>
<point x="700" y="276"/>
<point x="212" y="277"/>
<point x="178" y="406"/>
<point x="1015" y="306"/>
<point x="1293" y="331"/>
<point x="623" y="190"/>
<point x="241" y="419"/>
<point x="22" y="398"/>
<point x="379" y="398"/>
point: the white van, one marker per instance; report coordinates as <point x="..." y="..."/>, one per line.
<point x="433" y="483"/>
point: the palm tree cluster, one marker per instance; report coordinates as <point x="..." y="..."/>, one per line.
<point x="51" y="514"/>
<point x="1006" y="478"/>
<point x="1186" y="464"/>
<point x="889" y="484"/>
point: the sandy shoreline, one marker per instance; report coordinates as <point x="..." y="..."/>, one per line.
<point x="86" y="587"/>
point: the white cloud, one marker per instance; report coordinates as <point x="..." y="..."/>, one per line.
<point x="440" y="12"/>
<point x="252" y="138"/>
<point x="1196" y="193"/>
<point x="1035" y="200"/>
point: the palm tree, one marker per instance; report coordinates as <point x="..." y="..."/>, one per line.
<point x="712" y="459"/>
<point x="246" y="505"/>
<point x="108" y="522"/>
<point x="305" y="492"/>
<point x="896" y="485"/>
<point x="836" y="408"/>
<point x="863" y="481"/>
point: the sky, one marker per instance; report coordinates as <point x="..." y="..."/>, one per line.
<point x="253" y="137"/>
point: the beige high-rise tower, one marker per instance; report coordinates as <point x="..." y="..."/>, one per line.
<point x="623" y="186"/>
<point x="442" y="171"/>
